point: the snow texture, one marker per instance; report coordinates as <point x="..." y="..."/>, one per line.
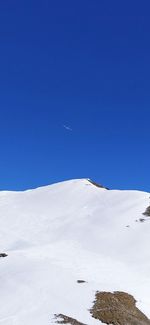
<point x="59" y="234"/>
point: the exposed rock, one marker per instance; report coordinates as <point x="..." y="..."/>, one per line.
<point x="141" y="219"/>
<point x="63" y="319"/>
<point x="97" y="185"/>
<point x="3" y="255"/>
<point x="117" y="308"/>
<point x="81" y="281"/>
<point x="147" y="212"/>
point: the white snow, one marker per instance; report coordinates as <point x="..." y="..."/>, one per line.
<point x="58" y="234"/>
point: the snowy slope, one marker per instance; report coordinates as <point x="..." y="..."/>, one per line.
<point x="58" y="234"/>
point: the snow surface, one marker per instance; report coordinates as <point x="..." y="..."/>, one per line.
<point x="58" y="234"/>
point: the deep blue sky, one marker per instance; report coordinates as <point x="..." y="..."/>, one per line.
<point x="85" y="64"/>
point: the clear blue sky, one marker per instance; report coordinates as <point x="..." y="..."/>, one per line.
<point x="84" y="64"/>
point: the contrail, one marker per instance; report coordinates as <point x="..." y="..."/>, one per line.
<point x="67" y="127"/>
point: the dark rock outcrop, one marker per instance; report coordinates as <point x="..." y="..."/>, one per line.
<point x="147" y="212"/>
<point x="97" y="185"/>
<point x="3" y="255"/>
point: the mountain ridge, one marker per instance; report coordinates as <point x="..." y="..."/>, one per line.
<point x="75" y="180"/>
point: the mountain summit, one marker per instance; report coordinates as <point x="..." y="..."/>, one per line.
<point x="65" y="244"/>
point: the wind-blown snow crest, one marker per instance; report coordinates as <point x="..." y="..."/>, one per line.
<point x="58" y="234"/>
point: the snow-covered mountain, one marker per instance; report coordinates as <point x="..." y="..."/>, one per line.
<point x="57" y="235"/>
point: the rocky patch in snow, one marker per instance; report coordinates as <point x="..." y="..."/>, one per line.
<point x="3" y="255"/>
<point x="81" y="281"/>
<point x="118" y="308"/>
<point x="147" y="212"/>
<point x="63" y="319"/>
<point x="97" y="185"/>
